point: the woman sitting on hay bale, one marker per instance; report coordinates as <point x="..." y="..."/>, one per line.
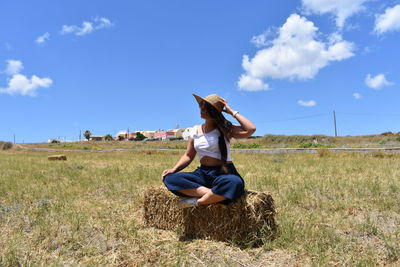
<point x="217" y="179"/>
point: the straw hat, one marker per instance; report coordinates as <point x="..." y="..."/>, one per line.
<point x="214" y="99"/>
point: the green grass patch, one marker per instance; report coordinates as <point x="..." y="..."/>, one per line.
<point x="246" y="146"/>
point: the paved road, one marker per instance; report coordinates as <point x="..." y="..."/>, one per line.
<point x="259" y="151"/>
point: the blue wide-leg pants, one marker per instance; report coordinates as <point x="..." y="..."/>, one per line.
<point x="229" y="185"/>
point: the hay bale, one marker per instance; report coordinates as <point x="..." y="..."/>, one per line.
<point x="57" y="157"/>
<point x="247" y="221"/>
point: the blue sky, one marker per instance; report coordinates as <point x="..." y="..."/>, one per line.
<point x="106" y="66"/>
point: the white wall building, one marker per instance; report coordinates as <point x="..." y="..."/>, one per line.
<point x="188" y="132"/>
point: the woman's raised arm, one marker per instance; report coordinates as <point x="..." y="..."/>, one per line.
<point x="246" y="128"/>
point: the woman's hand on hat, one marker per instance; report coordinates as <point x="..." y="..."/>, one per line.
<point x="227" y="108"/>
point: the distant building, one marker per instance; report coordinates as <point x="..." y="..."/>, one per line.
<point x="131" y="136"/>
<point x="148" y="134"/>
<point x="187" y="133"/>
<point x="164" y="135"/>
<point x="96" y="138"/>
<point x="159" y="134"/>
<point x="178" y="132"/>
<point x="54" y="140"/>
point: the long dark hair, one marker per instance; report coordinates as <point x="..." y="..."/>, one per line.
<point x="225" y="129"/>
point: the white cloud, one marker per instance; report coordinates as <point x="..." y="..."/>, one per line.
<point x="334" y="37"/>
<point x="377" y="82"/>
<point x="388" y="21"/>
<point x="68" y="29"/>
<point x="20" y="84"/>
<point x="13" y="67"/>
<point x="341" y="9"/>
<point x="294" y="54"/>
<point x="357" y="96"/>
<point x="43" y="38"/>
<point x="102" y="23"/>
<point x="87" y="26"/>
<point x="259" y="40"/>
<point x="248" y="83"/>
<point x="262" y="39"/>
<point x="309" y="103"/>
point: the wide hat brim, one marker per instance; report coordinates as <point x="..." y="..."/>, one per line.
<point x="213" y="99"/>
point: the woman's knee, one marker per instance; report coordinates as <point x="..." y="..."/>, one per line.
<point x="171" y="179"/>
<point x="230" y="186"/>
<point x="238" y="182"/>
<point x="232" y="180"/>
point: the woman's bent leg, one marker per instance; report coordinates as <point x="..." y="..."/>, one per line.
<point x="186" y="183"/>
<point x="230" y="186"/>
<point x="210" y="198"/>
<point x="225" y="188"/>
<point x="195" y="192"/>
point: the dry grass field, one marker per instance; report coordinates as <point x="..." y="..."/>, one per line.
<point x="332" y="210"/>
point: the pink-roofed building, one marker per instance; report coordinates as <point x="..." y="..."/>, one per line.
<point x="164" y="135"/>
<point x="131" y="136"/>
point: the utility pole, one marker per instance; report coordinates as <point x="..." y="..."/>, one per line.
<point x="334" y="122"/>
<point x="80" y="134"/>
<point x="14" y="138"/>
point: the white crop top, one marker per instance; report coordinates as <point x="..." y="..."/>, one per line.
<point x="206" y="144"/>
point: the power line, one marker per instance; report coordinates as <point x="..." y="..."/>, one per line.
<point x="368" y="114"/>
<point x="296" y="118"/>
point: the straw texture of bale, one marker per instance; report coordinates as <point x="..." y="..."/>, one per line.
<point x="247" y="221"/>
<point x="57" y="157"/>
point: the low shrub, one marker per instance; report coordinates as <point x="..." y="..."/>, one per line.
<point x="381" y="154"/>
<point x="177" y="147"/>
<point x="108" y="137"/>
<point x="139" y="136"/>
<point x="382" y="142"/>
<point x="295" y="139"/>
<point x="246" y="146"/>
<point x="310" y="145"/>
<point x="387" y="133"/>
<point x="176" y="139"/>
<point x="5" y="145"/>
